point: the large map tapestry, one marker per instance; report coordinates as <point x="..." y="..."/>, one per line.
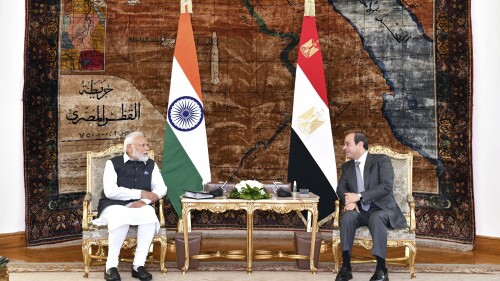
<point x="97" y="69"/>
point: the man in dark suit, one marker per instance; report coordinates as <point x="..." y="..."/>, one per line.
<point x="365" y="189"/>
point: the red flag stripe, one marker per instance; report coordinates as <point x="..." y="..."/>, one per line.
<point x="312" y="66"/>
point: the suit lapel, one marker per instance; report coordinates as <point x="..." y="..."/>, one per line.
<point x="366" y="170"/>
<point x="353" y="176"/>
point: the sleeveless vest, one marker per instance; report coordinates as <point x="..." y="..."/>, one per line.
<point x="133" y="175"/>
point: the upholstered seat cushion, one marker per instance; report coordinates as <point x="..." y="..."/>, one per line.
<point x="392" y="234"/>
<point x="102" y="232"/>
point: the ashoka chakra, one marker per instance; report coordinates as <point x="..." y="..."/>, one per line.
<point x="185" y="113"/>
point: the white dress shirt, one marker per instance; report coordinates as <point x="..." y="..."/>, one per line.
<point x="362" y="161"/>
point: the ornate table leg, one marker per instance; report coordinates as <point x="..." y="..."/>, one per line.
<point x="249" y="240"/>
<point x="314" y="212"/>
<point x="185" y="213"/>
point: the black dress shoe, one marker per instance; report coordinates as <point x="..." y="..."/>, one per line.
<point x="380" y="275"/>
<point x="112" y="275"/>
<point x="344" y="274"/>
<point x="142" y="274"/>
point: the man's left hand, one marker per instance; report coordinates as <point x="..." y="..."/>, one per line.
<point x="351" y="206"/>
<point x="351" y="198"/>
<point x="138" y="204"/>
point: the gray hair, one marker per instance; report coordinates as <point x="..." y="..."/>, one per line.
<point x="129" y="139"/>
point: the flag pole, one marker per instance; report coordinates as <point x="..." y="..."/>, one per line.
<point x="185" y="161"/>
<point x="309" y="8"/>
<point x="186" y="6"/>
<point x="312" y="156"/>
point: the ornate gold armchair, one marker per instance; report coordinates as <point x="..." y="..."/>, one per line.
<point x="402" y="165"/>
<point x="94" y="238"/>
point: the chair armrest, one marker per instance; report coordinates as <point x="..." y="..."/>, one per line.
<point x="413" y="222"/>
<point x="336" y="215"/>
<point x="85" y="219"/>
<point x="160" y="212"/>
<point x="87" y="197"/>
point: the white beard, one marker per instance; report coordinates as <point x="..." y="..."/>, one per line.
<point x="137" y="155"/>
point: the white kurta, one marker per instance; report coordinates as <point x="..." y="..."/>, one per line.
<point x="116" y="215"/>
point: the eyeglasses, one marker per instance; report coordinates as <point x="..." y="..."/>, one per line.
<point x="142" y="144"/>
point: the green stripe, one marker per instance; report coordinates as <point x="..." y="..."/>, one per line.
<point x="178" y="171"/>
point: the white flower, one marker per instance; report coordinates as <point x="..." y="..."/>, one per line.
<point x="251" y="183"/>
<point x="249" y="190"/>
<point x="239" y="186"/>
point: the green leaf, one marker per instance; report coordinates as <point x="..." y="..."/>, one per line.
<point x="246" y="196"/>
<point x="234" y="194"/>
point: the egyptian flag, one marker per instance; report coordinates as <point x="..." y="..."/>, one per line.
<point x="312" y="158"/>
<point x="185" y="164"/>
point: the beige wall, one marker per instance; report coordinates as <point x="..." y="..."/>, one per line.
<point x="11" y="87"/>
<point x="486" y="124"/>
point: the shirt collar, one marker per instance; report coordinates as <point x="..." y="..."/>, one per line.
<point x="362" y="159"/>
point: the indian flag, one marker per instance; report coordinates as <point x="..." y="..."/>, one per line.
<point x="312" y="158"/>
<point x="185" y="164"/>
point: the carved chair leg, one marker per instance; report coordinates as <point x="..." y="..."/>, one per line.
<point x="413" y="254"/>
<point x="163" y="253"/>
<point x="86" y="258"/>
<point x="336" y="259"/>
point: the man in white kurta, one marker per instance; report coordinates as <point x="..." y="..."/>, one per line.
<point x="131" y="183"/>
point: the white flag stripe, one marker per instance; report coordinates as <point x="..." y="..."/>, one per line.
<point x="190" y="141"/>
<point x="305" y="98"/>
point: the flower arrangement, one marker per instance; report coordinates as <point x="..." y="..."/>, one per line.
<point x="250" y="190"/>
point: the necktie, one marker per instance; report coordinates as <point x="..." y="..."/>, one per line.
<point x="361" y="185"/>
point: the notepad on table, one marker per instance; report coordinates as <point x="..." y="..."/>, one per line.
<point x="197" y="195"/>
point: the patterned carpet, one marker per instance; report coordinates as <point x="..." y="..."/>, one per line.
<point x="258" y="276"/>
<point x="263" y="271"/>
<point x="18" y="267"/>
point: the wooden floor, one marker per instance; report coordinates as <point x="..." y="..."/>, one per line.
<point x="486" y="251"/>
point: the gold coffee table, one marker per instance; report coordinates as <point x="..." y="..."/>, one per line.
<point x="278" y="204"/>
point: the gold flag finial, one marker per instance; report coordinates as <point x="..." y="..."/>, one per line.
<point x="309" y="8"/>
<point x="186" y="6"/>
